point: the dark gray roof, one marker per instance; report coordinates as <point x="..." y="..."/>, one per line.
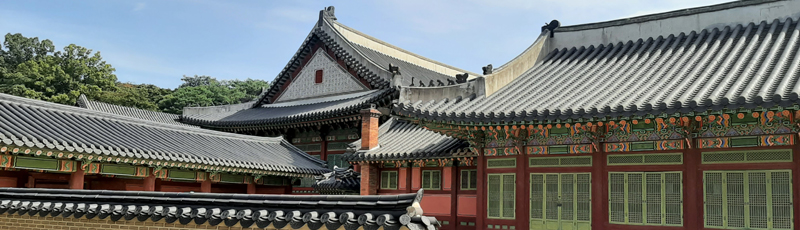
<point x="741" y="66"/>
<point x="44" y="125"/>
<point x="292" y="111"/>
<point x="168" y="118"/>
<point x="404" y="140"/>
<point x="338" y="181"/>
<point x="256" y="211"/>
<point x="370" y="65"/>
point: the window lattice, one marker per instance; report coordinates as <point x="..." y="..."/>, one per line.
<point x="560" y="161"/>
<point x="469" y="179"/>
<point x="645" y="159"/>
<point x="780" y="155"/>
<point x="560" y="201"/>
<point x="646" y="198"/>
<point x="501" y="163"/>
<point x="753" y="199"/>
<point x="389" y="180"/>
<point x="431" y="179"/>
<point x="501" y="196"/>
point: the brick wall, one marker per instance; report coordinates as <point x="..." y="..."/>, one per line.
<point x="26" y="222"/>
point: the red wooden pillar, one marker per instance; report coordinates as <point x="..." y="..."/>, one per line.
<point x="31" y="182"/>
<point x="599" y="189"/>
<point x="76" y="178"/>
<point x="205" y="186"/>
<point x="523" y="196"/>
<point x="480" y="193"/>
<point x="796" y="181"/>
<point x="251" y="188"/>
<point x="454" y="186"/>
<point x="693" y="205"/>
<point x="149" y="182"/>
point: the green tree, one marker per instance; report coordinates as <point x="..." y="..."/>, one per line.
<point x="30" y="71"/>
<point x="208" y="91"/>
<point x="144" y="96"/>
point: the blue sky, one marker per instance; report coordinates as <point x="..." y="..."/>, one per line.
<point x="157" y="42"/>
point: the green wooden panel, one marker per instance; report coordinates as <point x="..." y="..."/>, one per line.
<point x="646" y="198"/>
<point x="748" y="156"/>
<point x="642" y="126"/>
<point x="501" y="196"/>
<point x="389" y="180"/>
<point x="750" y="199"/>
<point x="36" y="163"/>
<point x="643" y="146"/>
<point x="231" y="178"/>
<point x="559" y="131"/>
<point x="275" y="180"/>
<point x="337" y="146"/>
<point x="558" y="149"/>
<point x="501" y="163"/>
<point x="560" y="201"/>
<point x="115" y="169"/>
<point x="744" y="141"/>
<point x="431" y="179"/>
<point x="494" y="196"/>
<point x="181" y="174"/>
<point x="748" y="119"/>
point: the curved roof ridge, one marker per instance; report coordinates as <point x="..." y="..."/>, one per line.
<point x="135" y="121"/>
<point x="161" y="117"/>
<point x="663" y="15"/>
<point x="371" y="38"/>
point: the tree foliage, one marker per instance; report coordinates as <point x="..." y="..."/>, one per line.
<point x="208" y="91"/>
<point x="32" y="68"/>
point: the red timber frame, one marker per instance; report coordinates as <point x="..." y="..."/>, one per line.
<point x="410" y="181"/>
<point x="692" y="171"/>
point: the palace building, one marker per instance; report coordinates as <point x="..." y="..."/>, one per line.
<point x="685" y="119"/>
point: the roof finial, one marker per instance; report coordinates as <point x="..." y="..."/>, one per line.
<point x="328" y="12"/>
<point x="551" y="26"/>
<point x="462" y="78"/>
<point x="487" y="69"/>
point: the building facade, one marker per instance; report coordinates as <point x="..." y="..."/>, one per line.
<point x="678" y="120"/>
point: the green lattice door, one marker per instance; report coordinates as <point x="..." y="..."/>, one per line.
<point x="561" y="201"/>
<point x="748" y="199"/>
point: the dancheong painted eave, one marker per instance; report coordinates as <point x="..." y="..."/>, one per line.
<point x="744" y="66"/>
<point x="81" y="134"/>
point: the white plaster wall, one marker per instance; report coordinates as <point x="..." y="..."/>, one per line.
<point x="335" y="80"/>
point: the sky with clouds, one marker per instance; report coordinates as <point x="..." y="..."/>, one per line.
<point x="157" y="42"/>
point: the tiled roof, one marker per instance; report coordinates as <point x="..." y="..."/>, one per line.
<point x="168" y="118"/>
<point x="292" y="111"/>
<point x="403" y="140"/>
<point x="371" y="65"/>
<point x="737" y="66"/>
<point x="338" y="181"/>
<point x="249" y="211"/>
<point x="44" y="125"/>
<point x="407" y="70"/>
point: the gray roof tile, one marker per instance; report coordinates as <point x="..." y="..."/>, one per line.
<point x="168" y="118"/>
<point x="740" y="66"/>
<point x="27" y="122"/>
<point x="292" y="111"/>
<point x="370" y="212"/>
<point x="403" y="140"/>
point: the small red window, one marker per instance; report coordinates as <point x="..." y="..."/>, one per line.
<point x="318" y="79"/>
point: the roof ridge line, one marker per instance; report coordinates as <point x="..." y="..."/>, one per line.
<point x="399" y="49"/>
<point x="136" y="121"/>
<point x="663" y="15"/>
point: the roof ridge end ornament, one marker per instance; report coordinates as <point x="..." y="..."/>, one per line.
<point x="462" y="78"/>
<point x="328" y="12"/>
<point x="397" y="77"/>
<point x="551" y="26"/>
<point x="487" y="69"/>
